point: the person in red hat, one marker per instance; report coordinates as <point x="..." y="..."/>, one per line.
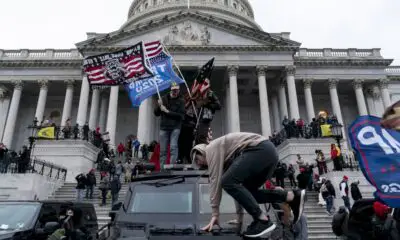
<point x="344" y="192"/>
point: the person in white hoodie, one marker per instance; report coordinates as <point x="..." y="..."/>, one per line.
<point x="240" y="163"/>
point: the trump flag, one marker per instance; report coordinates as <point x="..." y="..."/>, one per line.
<point x="378" y="152"/>
<point x="164" y="75"/>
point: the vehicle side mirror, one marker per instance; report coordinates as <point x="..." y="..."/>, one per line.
<point x="51" y="227"/>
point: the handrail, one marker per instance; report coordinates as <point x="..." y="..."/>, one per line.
<point x="338" y="53"/>
<point x="61" y="54"/>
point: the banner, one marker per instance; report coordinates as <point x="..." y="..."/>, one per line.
<point x="117" y="68"/>
<point x="47" y="132"/>
<point x="164" y="75"/>
<point x="326" y="130"/>
<point x="378" y="152"/>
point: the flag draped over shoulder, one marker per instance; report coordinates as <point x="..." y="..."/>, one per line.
<point x="47" y="132"/>
<point x="201" y="83"/>
<point x="378" y="152"/>
<point x="117" y="68"/>
<point x="162" y="68"/>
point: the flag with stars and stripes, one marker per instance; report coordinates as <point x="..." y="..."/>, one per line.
<point x="118" y="68"/>
<point x="377" y="150"/>
<point x="201" y="83"/>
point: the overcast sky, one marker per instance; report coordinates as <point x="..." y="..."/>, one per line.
<point x="314" y="23"/>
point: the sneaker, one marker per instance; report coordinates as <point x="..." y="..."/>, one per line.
<point x="297" y="205"/>
<point x="259" y="228"/>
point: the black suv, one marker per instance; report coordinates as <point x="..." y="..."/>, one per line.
<point x="171" y="205"/>
<point x="36" y="220"/>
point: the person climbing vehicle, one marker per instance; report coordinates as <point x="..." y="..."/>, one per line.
<point x="240" y="163"/>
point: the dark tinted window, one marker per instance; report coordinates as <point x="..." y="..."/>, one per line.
<point x="17" y="216"/>
<point x="176" y="198"/>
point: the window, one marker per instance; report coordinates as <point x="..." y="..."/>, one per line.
<point x="227" y="205"/>
<point x="17" y="216"/>
<point x="226" y="2"/>
<point x="235" y="5"/>
<point x="167" y="199"/>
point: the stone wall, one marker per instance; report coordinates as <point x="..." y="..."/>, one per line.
<point x="77" y="156"/>
<point x="27" y="186"/>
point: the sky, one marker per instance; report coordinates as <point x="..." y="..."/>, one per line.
<point x="40" y="24"/>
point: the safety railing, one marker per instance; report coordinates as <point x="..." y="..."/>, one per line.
<point x="338" y="53"/>
<point x="40" y="54"/>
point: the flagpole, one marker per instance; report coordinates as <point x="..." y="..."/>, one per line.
<point x="184" y="80"/>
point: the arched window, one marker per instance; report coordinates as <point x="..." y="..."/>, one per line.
<point x="146" y="5"/>
<point x="235" y="5"/>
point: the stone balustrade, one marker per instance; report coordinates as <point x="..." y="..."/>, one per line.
<point x="338" y="53"/>
<point x="39" y="54"/>
<point x="393" y="70"/>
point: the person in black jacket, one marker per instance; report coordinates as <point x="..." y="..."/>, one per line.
<point x="355" y="191"/>
<point x="209" y="104"/>
<point x="303" y="178"/>
<point x="90" y="183"/>
<point x="80" y="186"/>
<point x="328" y="194"/>
<point x="171" y="109"/>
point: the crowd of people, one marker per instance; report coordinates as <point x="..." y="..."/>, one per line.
<point x="300" y="129"/>
<point x="13" y="162"/>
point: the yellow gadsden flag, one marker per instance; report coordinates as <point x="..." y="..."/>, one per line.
<point x="326" y="130"/>
<point x="47" y="132"/>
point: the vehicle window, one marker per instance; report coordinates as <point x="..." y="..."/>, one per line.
<point x="227" y="203"/>
<point x="47" y="214"/>
<point x="17" y="216"/>
<point x="167" y="199"/>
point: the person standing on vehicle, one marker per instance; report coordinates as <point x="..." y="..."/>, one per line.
<point x="344" y="191"/>
<point x="90" y="183"/>
<point x="80" y="186"/>
<point x="240" y="163"/>
<point x="115" y="186"/>
<point x="104" y="187"/>
<point x="171" y="109"/>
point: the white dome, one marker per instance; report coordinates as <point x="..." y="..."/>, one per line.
<point x="238" y="11"/>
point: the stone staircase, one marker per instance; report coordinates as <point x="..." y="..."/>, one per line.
<point x="68" y="193"/>
<point x="319" y="222"/>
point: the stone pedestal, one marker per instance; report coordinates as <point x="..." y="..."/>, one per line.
<point x="77" y="156"/>
<point x="289" y="149"/>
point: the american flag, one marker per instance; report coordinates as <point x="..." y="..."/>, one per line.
<point x="153" y="49"/>
<point x="201" y="84"/>
<point x="118" y="67"/>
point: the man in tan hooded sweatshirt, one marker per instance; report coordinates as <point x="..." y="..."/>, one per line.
<point x="240" y="163"/>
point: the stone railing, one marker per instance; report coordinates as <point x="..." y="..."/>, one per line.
<point x="338" y="53"/>
<point x="393" y="70"/>
<point x="40" y="54"/>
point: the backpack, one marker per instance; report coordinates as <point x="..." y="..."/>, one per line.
<point x="338" y="220"/>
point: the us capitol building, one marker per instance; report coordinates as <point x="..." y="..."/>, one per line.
<point x="260" y="77"/>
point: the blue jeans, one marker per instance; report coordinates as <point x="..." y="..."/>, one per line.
<point x="346" y="202"/>
<point x="329" y="203"/>
<point x="169" y="137"/>
<point x="80" y="194"/>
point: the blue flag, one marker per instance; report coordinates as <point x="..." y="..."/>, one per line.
<point x="164" y="75"/>
<point x="378" y="152"/>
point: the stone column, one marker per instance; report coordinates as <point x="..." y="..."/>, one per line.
<point x="282" y="100"/>
<point x="264" y="105"/>
<point x="369" y="94"/>
<point x="383" y="85"/>
<point x="4" y="104"/>
<point x="69" y="96"/>
<point x="291" y="84"/>
<point x="228" y="110"/>
<point x="94" y="109"/>
<point x="103" y="112"/>
<point x="233" y="99"/>
<point x="309" y="99"/>
<point x="83" y="102"/>
<point x="144" y="121"/>
<point x="379" y="107"/>
<point x="41" y="104"/>
<point x="335" y="99"/>
<point x="358" y="89"/>
<point x="12" y="114"/>
<point x="112" y="114"/>
<point x="275" y="113"/>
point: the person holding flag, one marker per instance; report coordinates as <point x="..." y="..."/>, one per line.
<point x="171" y="109"/>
